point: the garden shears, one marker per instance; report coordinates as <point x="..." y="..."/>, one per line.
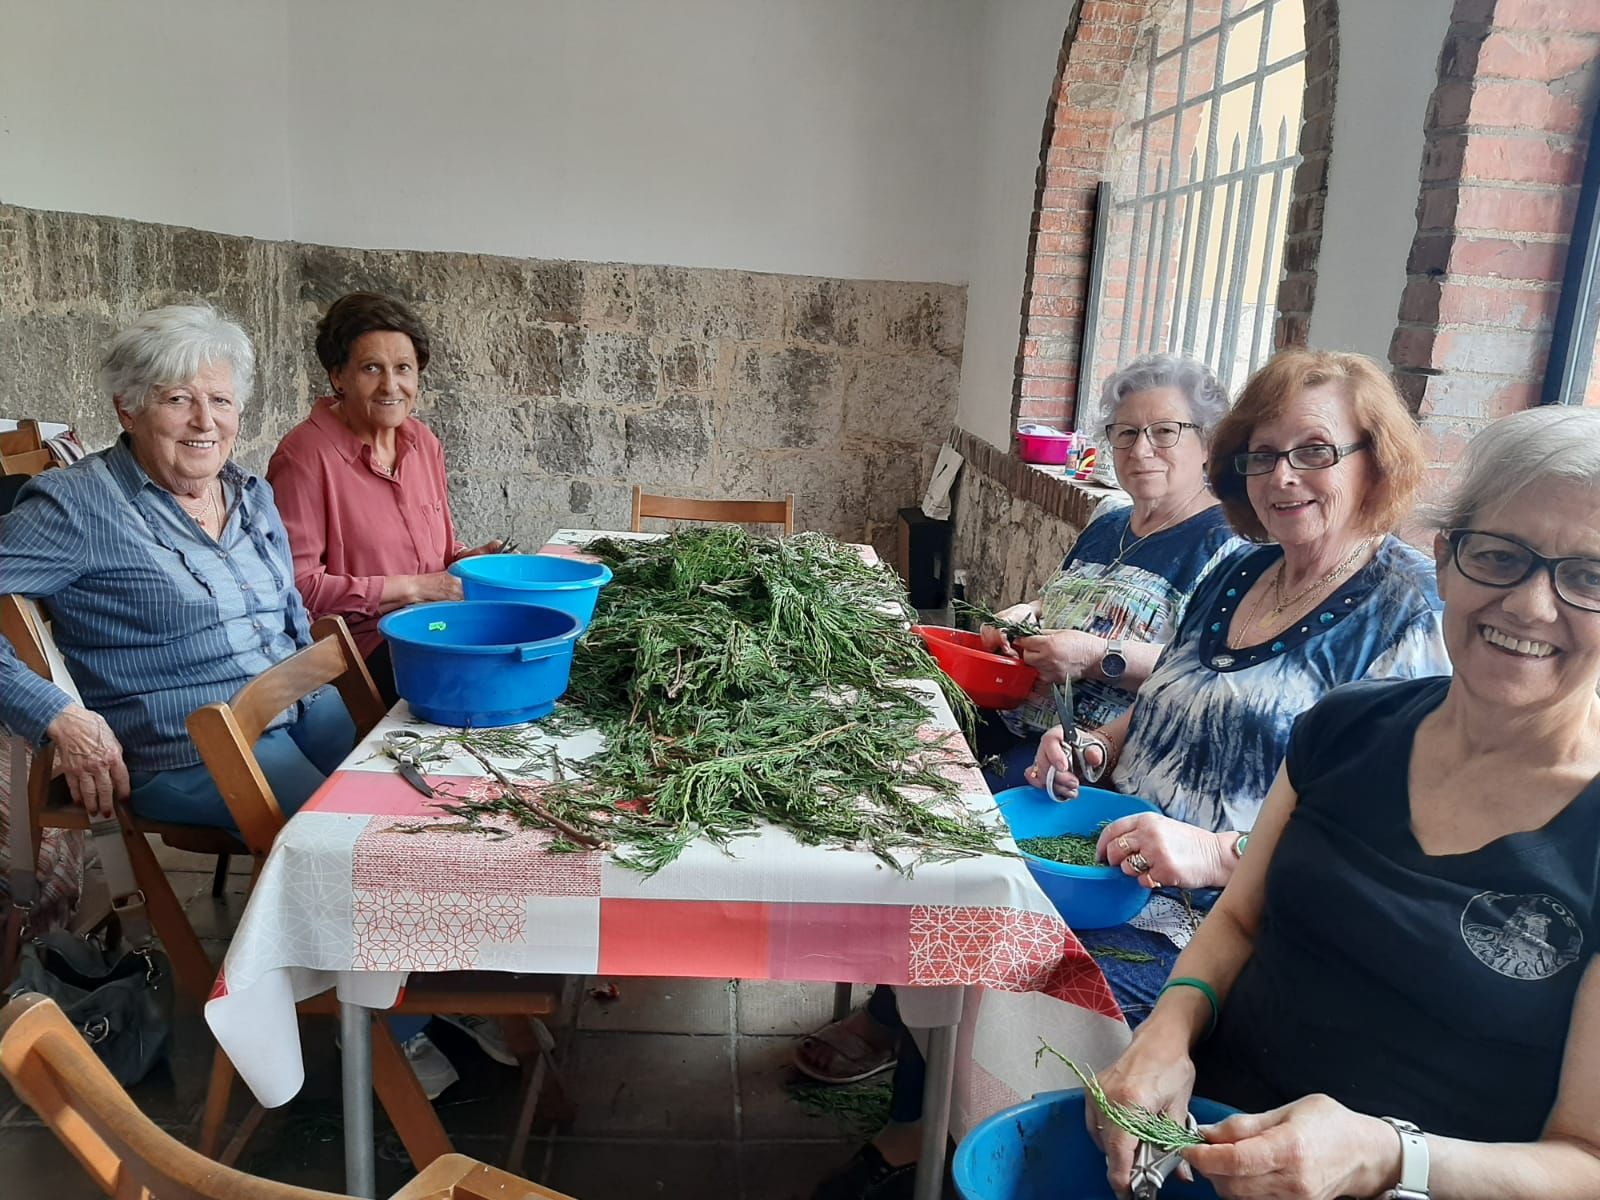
<point x="403" y="746"/>
<point x="1153" y="1166"/>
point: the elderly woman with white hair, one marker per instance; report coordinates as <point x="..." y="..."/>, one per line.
<point x="1116" y="597"/>
<point x="1400" y="983"/>
<point x="167" y="575"/>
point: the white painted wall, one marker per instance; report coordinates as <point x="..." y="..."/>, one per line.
<point x="827" y="137"/>
<point x="1018" y="45"/>
<point x="160" y="110"/>
<point x="1388" y="67"/>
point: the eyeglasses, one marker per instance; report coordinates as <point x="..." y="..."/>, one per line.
<point x="1318" y="456"/>
<point x="1498" y="561"/>
<point x="1162" y="434"/>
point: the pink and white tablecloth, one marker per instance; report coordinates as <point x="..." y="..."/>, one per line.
<point x="349" y="899"/>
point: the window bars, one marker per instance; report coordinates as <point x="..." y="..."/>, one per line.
<point x="1180" y="275"/>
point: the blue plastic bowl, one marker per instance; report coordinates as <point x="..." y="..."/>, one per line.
<point x="476" y="663"/>
<point x="1086" y="897"/>
<point x="565" y="584"/>
<point x="1040" y="1150"/>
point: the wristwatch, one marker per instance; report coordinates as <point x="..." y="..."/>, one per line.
<point x="1113" y="663"/>
<point x="1413" y="1183"/>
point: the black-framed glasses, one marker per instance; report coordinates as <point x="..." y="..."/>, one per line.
<point x="1500" y="561"/>
<point x="1316" y="456"/>
<point x="1163" y="435"/>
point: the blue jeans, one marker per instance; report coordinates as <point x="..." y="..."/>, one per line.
<point x="295" y="759"/>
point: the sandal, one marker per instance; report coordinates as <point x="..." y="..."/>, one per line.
<point x="867" y="1176"/>
<point x="853" y="1056"/>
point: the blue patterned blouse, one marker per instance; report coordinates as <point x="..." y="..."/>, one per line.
<point x="1211" y="724"/>
<point x="153" y="618"/>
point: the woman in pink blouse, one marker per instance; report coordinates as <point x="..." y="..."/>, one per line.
<point x="360" y="482"/>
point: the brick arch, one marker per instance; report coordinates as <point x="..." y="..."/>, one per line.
<point x="1505" y="141"/>
<point x="1086" y="100"/>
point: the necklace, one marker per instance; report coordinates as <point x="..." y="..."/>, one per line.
<point x="207" y="510"/>
<point x="1282" y="605"/>
<point x="1124" y="549"/>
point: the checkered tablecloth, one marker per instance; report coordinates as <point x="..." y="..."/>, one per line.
<point x="353" y="896"/>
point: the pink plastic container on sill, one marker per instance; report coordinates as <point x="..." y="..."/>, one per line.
<point x="1045" y="450"/>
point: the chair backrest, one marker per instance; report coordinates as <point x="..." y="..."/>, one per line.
<point x="29" y="462"/>
<point x="226" y="734"/>
<point x="25" y="437"/>
<point x="733" y="512"/>
<point x="128" y="1156"/>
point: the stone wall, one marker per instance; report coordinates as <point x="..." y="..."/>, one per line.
<point x="555" y="386"/>
<point x="1013" y="524"/>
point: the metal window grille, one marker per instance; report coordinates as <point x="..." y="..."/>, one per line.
<point x="1196" y="240"/>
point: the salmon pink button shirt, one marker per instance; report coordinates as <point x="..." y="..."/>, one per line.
<point x="350" y="525"/>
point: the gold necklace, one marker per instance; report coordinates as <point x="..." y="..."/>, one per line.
<point x="1282" y="606"/>
<point x="207" y="510"/>
<point x="1242" y="638"/>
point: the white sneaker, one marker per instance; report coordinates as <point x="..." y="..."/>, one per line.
<point x="428" y="1063"/>
<point x="488" y="1036"/>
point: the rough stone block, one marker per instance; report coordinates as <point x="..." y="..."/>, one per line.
<point x="829" y="489"/>
<point x="689" y="366"/>
<point x="609" y="368"/>
<point x="608" y="296"/>
<point x="565" y="438"/>
<point x="832" y="312"/>
<point x="925" y="317"/>
<point x="669" y="447"/>
<point x="706" y="305"/>
<point x="790" y="399"/>
<point x="908" y="397"/>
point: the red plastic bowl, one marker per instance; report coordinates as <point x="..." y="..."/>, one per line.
<point x="1044" y="449"/>
<point x="992" y="680"/>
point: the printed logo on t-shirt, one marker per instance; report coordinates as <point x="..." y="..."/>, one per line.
<point x="1522" y="937"/>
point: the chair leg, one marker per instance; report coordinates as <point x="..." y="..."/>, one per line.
<point x="219" y="877"/>
<point x="532" y="1086"/>
<point x="193" y="969"/>
<point x="218" y="1093"/>
<point x="410" y="1111"/>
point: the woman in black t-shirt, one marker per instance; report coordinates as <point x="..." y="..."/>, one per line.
<point x="1411" y="938"/>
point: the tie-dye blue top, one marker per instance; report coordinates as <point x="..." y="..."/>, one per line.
<point x="1212" y="723"/>
<point x="1116" y="585"/>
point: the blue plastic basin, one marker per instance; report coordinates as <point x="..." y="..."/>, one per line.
<point x="1040" y="1150"/>
<point x="565" y="584"/>
<point x="480" y="662"/>
<point x="1086" y="897"/>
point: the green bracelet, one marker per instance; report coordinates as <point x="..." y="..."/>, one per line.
<point x="1205" y="989"/>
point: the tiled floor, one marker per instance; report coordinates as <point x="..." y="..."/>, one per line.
<point x="680" y="1087"/>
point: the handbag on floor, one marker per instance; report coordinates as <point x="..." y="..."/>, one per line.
<point x="116" y="988"/>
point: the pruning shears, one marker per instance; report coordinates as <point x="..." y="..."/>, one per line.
<point x="1074" y="742"/>
<point x="1153" y="1166"/>
<point x="403" y="746"/>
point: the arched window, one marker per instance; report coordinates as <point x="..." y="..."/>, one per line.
<point x="1192" y="218"/>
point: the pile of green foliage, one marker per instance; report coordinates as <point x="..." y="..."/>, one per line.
<point x="740" y="680"/>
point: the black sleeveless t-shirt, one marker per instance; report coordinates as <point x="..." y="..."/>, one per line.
<point x="1436" y="988"/>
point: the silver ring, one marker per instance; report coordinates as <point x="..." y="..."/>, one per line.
<point x="1141" y="864"/>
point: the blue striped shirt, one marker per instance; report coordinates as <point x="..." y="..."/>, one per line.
<point x="153" y="618"/>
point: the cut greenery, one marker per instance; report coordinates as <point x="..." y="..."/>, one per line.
<point x="737" y="681"/>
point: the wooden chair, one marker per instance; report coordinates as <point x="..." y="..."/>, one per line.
<point x="735" y="512"/>
<point x="25" y="437"/>
<point x="29" y="462"/>
<point x="51" y="807"/>
<point x="225" y="735"/>
<point x="128" y="1156"/>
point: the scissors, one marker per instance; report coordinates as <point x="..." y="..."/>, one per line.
<point x="1152" y="1166"/>
<point x="1074" y="742"/>
<point x="402" y="746"/>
